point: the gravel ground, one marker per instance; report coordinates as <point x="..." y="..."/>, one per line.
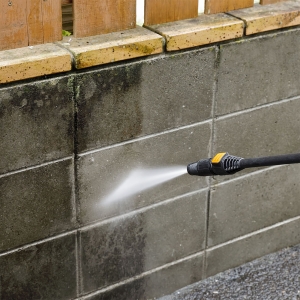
<point x="275" y="277"/>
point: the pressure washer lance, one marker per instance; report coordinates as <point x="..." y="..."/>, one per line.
<point x="226" y="164"/>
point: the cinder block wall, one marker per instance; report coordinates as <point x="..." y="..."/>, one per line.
<point x="67" y="141"/>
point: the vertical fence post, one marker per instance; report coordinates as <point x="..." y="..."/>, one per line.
<point x="93" y="17"/>
<point x="220" y="6"/>
<point x="163" y="11"/>
<point x="29" y="22"/>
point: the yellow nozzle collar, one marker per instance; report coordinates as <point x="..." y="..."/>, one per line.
<point x="218" y="157"/>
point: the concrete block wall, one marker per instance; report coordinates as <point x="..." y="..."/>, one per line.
<point x="68" y="141"/>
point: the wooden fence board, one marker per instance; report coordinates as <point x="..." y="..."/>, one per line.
<point x="52" y="21"/>
<point x="13" y="27"/>
<point x="219" y="6"/>
<point x="163" y="11"/>
<point x="265" y="2"/>
<point x="93" y="17"/>
<point x="29" y="22"/>
<point x="34" y="11"/>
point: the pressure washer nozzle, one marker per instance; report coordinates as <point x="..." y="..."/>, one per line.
<point x="200" y="168"/>
<point x="192" y="168"/>
<point x="226" y="164"/>
<point x="220" y="164"/>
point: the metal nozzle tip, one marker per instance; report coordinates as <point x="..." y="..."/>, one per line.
<point x="192" y="168"/>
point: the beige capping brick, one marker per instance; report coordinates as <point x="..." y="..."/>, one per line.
<point x="205" y="29"/>
<point x="111" y="47"/>
<point x="266" y="2"/>
<point x="33" y="61"/>
<point x="269" y="17"/>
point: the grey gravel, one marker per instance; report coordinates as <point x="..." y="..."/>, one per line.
<point x="274" y="276"/>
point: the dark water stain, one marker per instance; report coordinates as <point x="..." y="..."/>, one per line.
<point x="43" y="271"/>
<point x="36" y="122"/>
<point x="108" y="106"/>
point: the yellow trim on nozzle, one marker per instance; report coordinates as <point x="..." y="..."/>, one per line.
<point x="218" y="157"/>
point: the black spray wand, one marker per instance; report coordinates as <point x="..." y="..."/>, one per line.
<point x="226" y="164"/>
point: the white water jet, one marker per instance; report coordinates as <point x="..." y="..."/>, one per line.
<point x="142" y="179"/>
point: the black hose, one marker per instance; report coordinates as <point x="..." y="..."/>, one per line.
<point x="270" y="161"/>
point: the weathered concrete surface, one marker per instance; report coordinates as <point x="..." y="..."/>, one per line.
<point x="121" y="103"/>
<point x="99" y="173"/>
<point x="33" y="61"/>
<point x="151" y="113"/>
<point x="156" y="283"/>
<point x="271" y="129"/>
<point x="36" y="121"/>
<point x="275" y="276"/>
<point x="239" y="207"/>
<point x="252" y="246"/>
<point x="265" y="18"/>
<point x="36" y="203"/>
<point x="42" y="271"/>
<point x="112" y="47"/>
<point x="257" y="71"/>
<point x="203" y="30"/>
<point x="142" y="241"/>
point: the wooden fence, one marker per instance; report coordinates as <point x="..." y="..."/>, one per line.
<point x="30" y="22"/>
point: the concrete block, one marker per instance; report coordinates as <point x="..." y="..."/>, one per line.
<point x="129" y="245"/>
<point x="36" y="203"/>
<point x="253" y="202"/>
<point x="158" y="283"/>
<point x="125" y="102"/>
<point x="36" y="121"/>
<point x="100" y="173"/>
<point x="257" y="71"/>
<point x="250" y="247"/>
<point x="41" y="271"/>
<point x="265" y="18"/>
<point x="116" y="46"/>
<point x="203" y="30"/>
<point x="266" y="2"/>
<point x="268" y="130"/>
<point x="33" y="61"/>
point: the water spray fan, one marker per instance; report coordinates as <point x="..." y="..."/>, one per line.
<point x="226" y="164"/>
